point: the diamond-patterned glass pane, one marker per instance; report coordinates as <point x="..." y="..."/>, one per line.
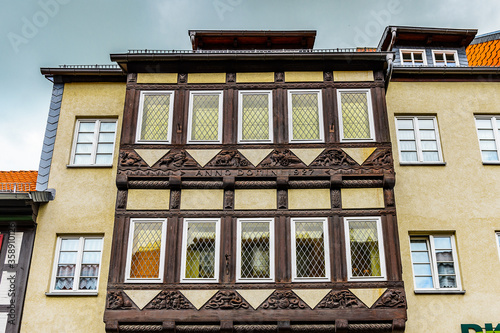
<point x="200" y="251"/>
<point x="310" y="249"/>
<point x="255" y="250"/>
<point x="205" y="126"/>
<point x="145" y="261"/>
<point x="355" y="118"/>
<point x="155" y="116"/>
<point x="305" y="116"/>
<point x="255" y="117"/>
<point x="365" y="255"/>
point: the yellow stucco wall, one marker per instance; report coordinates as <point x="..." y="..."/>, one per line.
<point x="148" y="199"/>
<point x="318" y="198"/>
<point x="461" y="197"/>
<point x="362" y="198"/>
<point x="84" y="205"/>
<point x="202" y="199"/>
<point x="255" y="199"/>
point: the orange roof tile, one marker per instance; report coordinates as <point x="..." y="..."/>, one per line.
<point x="484" y="54"/>
<point x="25" y="180"/>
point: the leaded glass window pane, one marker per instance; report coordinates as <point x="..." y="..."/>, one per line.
<point x="310" y="249"/>
<point x="146" y="250"/>
<point x="305" y="116"/>
<point x="205" y="117"/>
<point x="200" y="250"/>
<point x="364" y="249"/>
<point x="155" y="116"/>
<point x="255" y="116"/>
<point x="355" y="115"/>
<point x="255" y="253"/>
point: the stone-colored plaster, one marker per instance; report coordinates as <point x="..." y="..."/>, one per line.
<point x="359" y="154"/>
<point x="203" y="156"/>
<point x="84" y="205"/>
<point x="307" y="155"/>
<point x="346" y="76"/>
<point x="255" y="199"/>
<point x="148" y="199"/>
<point x="353" y="198"/>
<point x="309" y="198"/>
<point x="157" y="78"/>
<point x="368" y="295"/>
<point x="255" y="156"/>
<point x="255" y="297"/>
<point x="198" y="297"/>
<point x="311" y="296"/>
<point x="254" y="77"/>
<point x="151" y="156"/>
<point x="461" y="197"/>
<point x="141" y="298"/>
<point x="303" y="76"/>
<point x="206" y="78"/>
<point x="202" y="199"/>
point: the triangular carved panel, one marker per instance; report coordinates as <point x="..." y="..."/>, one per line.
<point x="381" y="157"/>
<point x="368" y="295"/>
<point x="226" y="300"/>
<point x="203" y="156"/>
<point x="131" y="159"/>
<point x="228" y="159"/>
<point x="177" y="159"/>
<point x="198" y="297"/>
<point x="141" y="297"/>
<point x="391" y="299"/>
<point x="333" y="157"/>
<point x="283" y="300"/>
<point x="255" y="297"/>
<point x="151" y="156"/>
<point x="311" y="296"/>
<point x="307" y="155"/>
<point x="340" y="299"/>
<point x="282" y="158"/>
<point x="170" y="300"/>
<point x="359" y="154"/>
<point x="255" y="156"/>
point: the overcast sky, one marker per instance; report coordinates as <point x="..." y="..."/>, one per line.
<point x="48" y="33"/>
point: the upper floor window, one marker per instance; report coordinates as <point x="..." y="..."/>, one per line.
<point x="365" y="249"/>
<point x="146" y="250"/>
<point x="255" y="117"/>
<point x="305" y="116"/>
<point x="445" y="58"/>
<point x="488" y="128"/>
<point x="498" y="242"/>
<point x="94" y="142"/>
<point x="413" y="57"/>
<point x="356" y="115"/>
<point x="155" y="117"/>
<point x="418" y="140"/>
<point x="205" y="117"/>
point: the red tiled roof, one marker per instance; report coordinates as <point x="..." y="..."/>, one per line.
<point x="366" y="49"/>
<point x="484" y="54"/>
<point x="25" y="180"/>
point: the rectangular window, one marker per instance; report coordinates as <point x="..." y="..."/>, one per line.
<point x="413" y="57"/>
<point x="205" y="117"/>
<point x="146" y="250"/>
<point x="445" y="58"/>
<point x="155" y="117"/>
<point x="305" y="116"/>
<point x="365" y="249"/>
<point x="310" y="254"/>
<point x="498" y="242"/>
<point x="255" y="250"/>
<point x="356" y="115"/>
<point x="94" y="142"/>
<point x="255" y="123"/>
<point x="488" y="128"/>
<point x="77" y="264"/>
<point x="418" y="140"/>
<point x="200" y="250"/>
<point x="434" y="262"/>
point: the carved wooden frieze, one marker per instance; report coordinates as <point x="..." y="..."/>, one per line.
<point x="177" y="159"/>
<point x="391" y="299"/>
<point x="227" y="300"/>
<point x="169" y="300"/>
<point x="116" y="301"/>
<point x="333" y="157"/>
<point x="343" y="299"/>
<point x="131" y="159"/>
<point x="282" y="158"/>
<point x="380" y="158"/>
<point x="283" y="299"/>
<point x="229" y="158"/>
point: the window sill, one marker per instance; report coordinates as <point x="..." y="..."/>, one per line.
<point x="72" y="293"/>
<point x="443" y="292"/>
<point x="89" y="166"/>
<point x="422" y="163"/>
<point x="491" y="163"/>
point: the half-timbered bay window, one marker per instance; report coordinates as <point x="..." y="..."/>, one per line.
<point x="200" y="250"/>
<point x="255" y="250"/>
<point x="255" y="117"/>
<point x="155" y="117"/>
<point x="205" y="117"/>
<point x="365" y="250"/>
<point x="310" y="252"/>
<point x="305" y="116"/>
<point x="356" y="115"/>
<point x="77" y="264"/>
<point x="146" y="250"/>
<point x="94" y="142"/>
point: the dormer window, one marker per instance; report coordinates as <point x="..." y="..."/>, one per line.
<point x="445" y="58"/>
<point x="413" y="57"/>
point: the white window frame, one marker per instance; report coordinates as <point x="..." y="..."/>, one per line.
<point x="271" y="250"/>
<point x="269" y="94"/>
<point x="327" y="276"/>
<point x="496" y="134"/>
<point x="130" y="245"/>
<point x="444" y="52"/>
<point x="429" y="238"/>
<point x="418" y="141"/>
<point x="94" y="142"/>
<point x="412" y="51"/>
<point x="497" y="239"/>
<point x="78" y="266"/>
<point x="185" y="223"/>
<point x="370" y="115"/>
<point x="321" y="122"/>
<point x="141" y="111"/>
<point x="381" y="249"/>
<point x="190" y="116"/>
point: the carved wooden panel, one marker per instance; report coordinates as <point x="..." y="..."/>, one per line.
<point x="283" y="299"/>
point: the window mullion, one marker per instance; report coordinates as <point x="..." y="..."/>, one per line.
<point x="418" y="142"/>
<point x="435" y="275"/>
<point x="96" y="141"/>
<point x="78" y="266"/>
<point x="496" y="135"/>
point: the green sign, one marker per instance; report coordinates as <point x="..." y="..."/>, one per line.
<point x="488" y="327"/>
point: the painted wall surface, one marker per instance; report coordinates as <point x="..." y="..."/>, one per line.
<point x="84" y="205"/>
<point x="461" y="197"/>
